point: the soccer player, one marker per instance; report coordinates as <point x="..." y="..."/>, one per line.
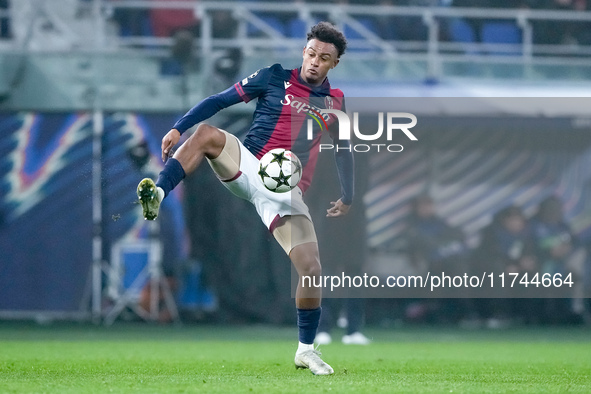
<point x="286" y="99"/>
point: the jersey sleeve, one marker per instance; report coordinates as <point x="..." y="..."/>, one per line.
<point x="207" y="108"/>
<point x="344" y="160"/>
<point x="255" y="84"/>
<point x="346" y="170"/>
<point x="245" y="90"/>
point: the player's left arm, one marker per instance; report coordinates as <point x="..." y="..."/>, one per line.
<point x="346" y="172"/>
<point x="343" y="155"/>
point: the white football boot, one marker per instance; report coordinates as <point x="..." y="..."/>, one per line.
<point x="150" y="198"/>
<point x="311" y="359"/>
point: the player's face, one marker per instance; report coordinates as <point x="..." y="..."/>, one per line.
<point x="319" y="58"/>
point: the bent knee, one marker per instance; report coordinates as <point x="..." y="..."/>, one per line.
<point x="209" y="138"/>
<point x="207" y="132"/>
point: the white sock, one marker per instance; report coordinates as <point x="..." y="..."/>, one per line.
<point x="160" y="193"/>
<point x="302" y="347"/>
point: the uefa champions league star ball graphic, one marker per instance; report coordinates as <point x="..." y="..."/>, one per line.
<point x="280" y="170"/>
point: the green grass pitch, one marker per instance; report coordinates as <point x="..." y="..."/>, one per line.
<point x="70" y="358"/>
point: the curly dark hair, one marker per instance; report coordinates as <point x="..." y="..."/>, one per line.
<point x="327" y="32"/>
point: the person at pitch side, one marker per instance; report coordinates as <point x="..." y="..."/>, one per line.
<point x="275" y="125"/>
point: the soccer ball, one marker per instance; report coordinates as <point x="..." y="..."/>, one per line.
<point x="280" y="170"/>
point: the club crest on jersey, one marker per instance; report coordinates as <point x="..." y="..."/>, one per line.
<point x="328" y="102"/>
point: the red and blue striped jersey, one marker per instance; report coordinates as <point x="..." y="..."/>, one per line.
<point x="285" y="103"/>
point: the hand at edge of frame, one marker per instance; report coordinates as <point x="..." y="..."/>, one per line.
<point x="338" y="209"/>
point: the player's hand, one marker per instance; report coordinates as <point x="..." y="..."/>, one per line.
<point x="337" y="209"/>
<point x="169" y="141"/>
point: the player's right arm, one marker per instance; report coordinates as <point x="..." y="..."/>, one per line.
<point x="245" y="90"/>
<point x="205" y="109"/>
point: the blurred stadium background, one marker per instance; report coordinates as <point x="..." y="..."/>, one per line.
<point x="88" y="88"/>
